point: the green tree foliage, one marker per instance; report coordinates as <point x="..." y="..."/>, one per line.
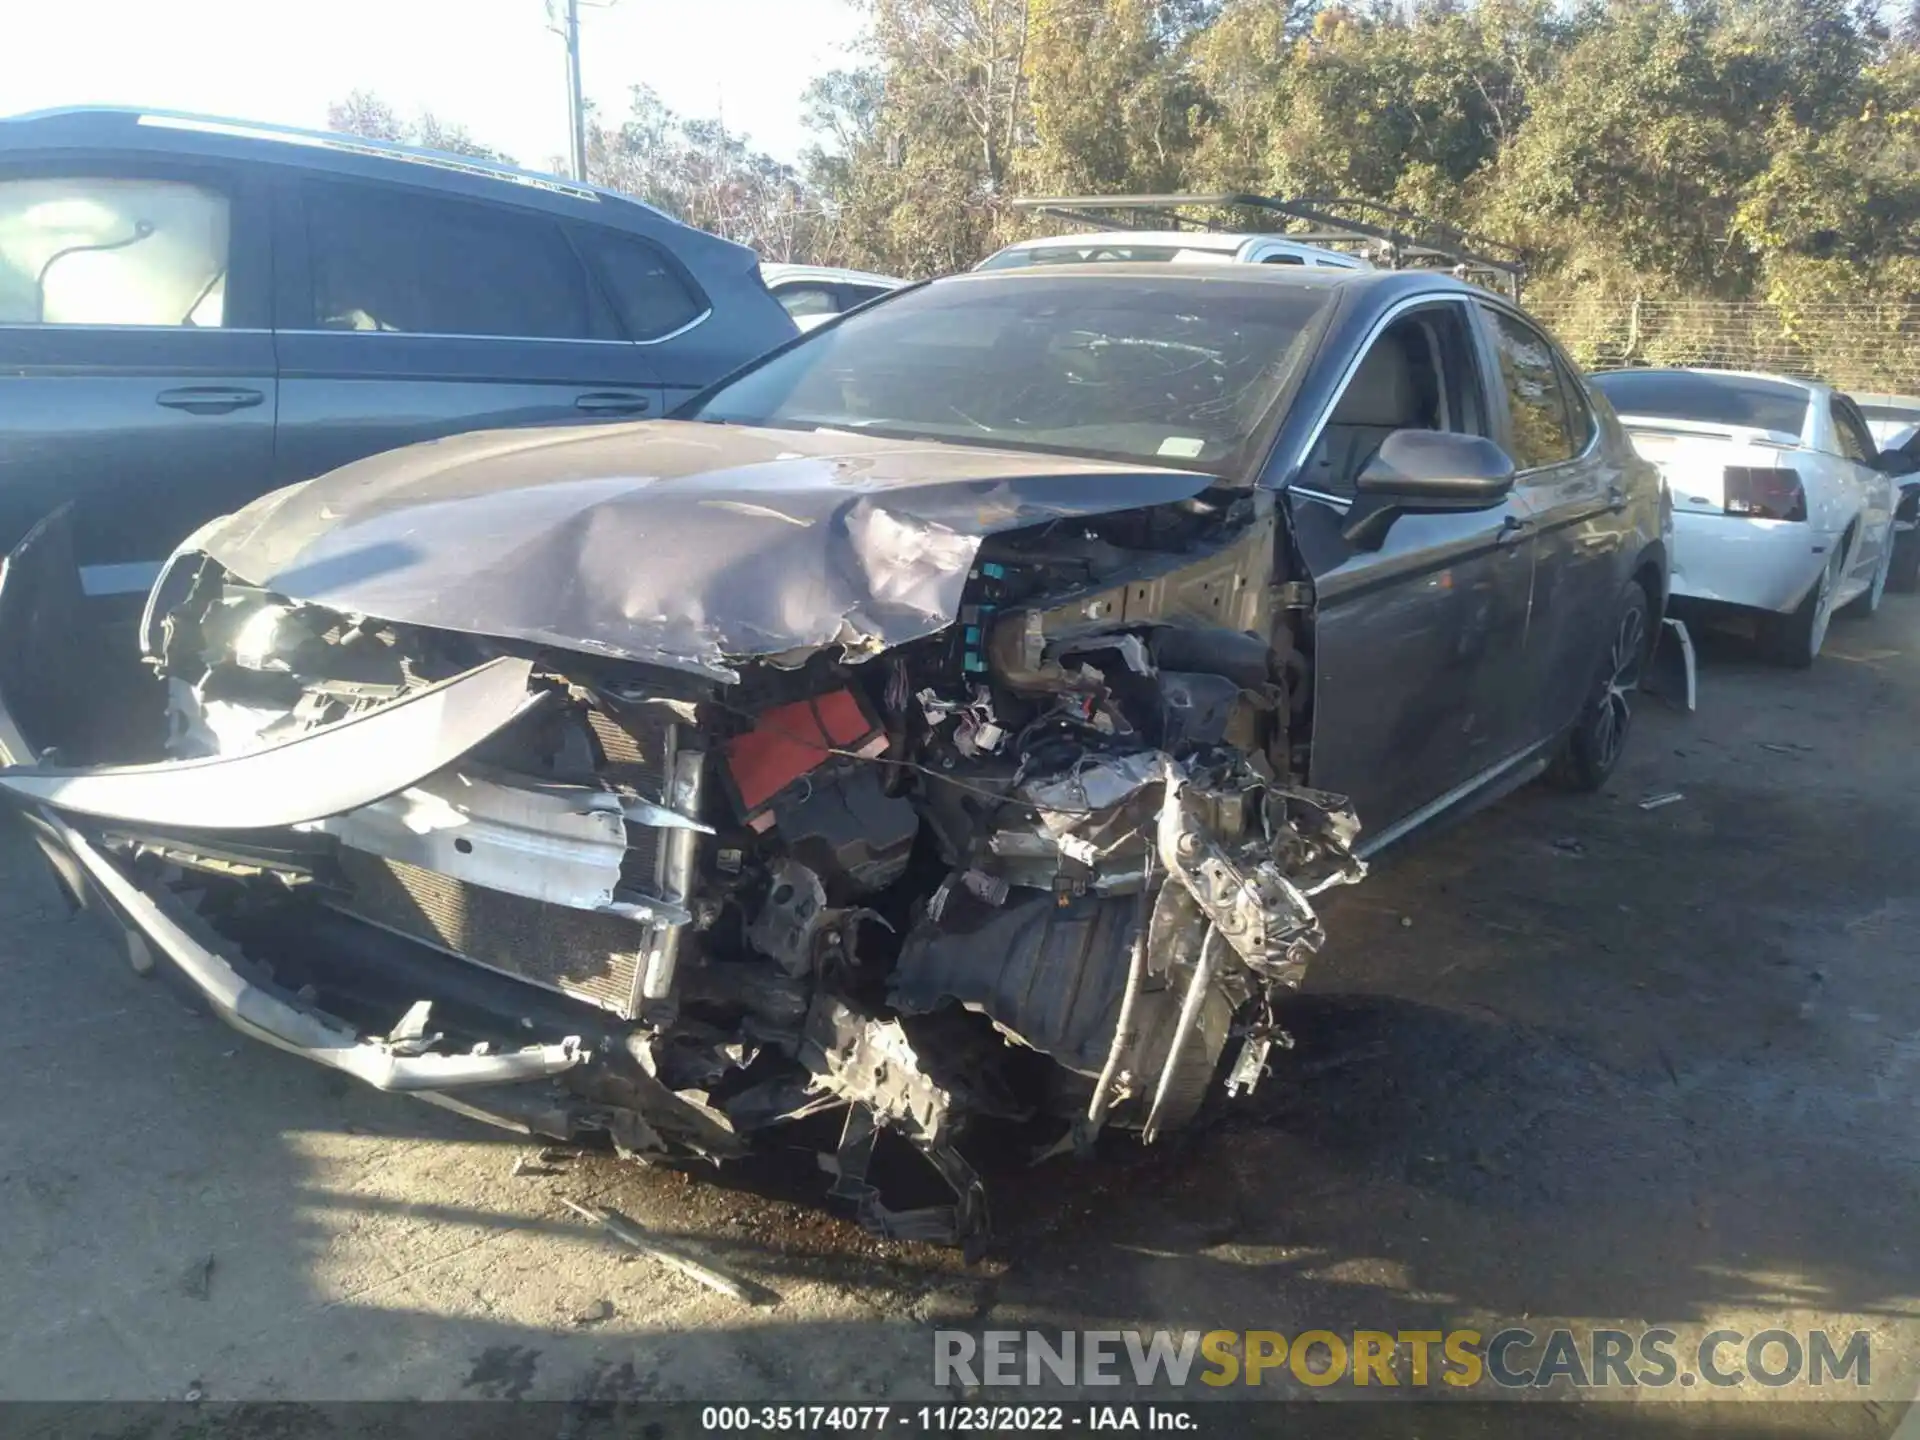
<point x="1740" y="149"/>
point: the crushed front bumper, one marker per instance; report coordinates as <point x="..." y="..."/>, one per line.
<point x="36" y="613"/>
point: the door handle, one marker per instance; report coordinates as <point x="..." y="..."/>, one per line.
<point x="209" y="399"/>
<point x="1512" y="531"/>
<point x="614" y="402"/>
<point x="1616" y="499"/>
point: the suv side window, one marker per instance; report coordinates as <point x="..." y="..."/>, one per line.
<point x="648" y="292"/>
<point x="1851" y="433"/>
<point x="103" y="250"/>
<point x="1536" y="394"/>
<point x="396" y="260"/>
<point x="1418" y="374"/>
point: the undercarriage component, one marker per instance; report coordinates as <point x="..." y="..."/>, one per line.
<point x="874" y="1066"/>
<point x="1197" y="990"/>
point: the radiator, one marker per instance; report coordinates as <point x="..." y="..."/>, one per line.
<point x="595" y="957"/>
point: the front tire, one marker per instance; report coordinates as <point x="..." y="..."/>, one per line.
<point x="1593" y="746"/>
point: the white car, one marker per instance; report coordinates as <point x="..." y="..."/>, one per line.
<point x="1181" y="246"/>
<point x="1779" y="505"/>
<point x="814" y="294"/>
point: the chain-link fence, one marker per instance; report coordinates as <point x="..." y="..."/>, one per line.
<point x="1863" y="347"/>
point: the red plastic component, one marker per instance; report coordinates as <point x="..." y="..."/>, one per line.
<point x="791" y="741"/>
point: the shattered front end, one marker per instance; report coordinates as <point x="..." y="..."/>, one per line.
<point x="1045" y="862"/>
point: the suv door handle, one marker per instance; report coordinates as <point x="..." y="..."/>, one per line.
<point x="1512" y="531"/>
<point x="614" y="402"/>
<point x="209" y="399"/>
<point x="1616" y="499"/>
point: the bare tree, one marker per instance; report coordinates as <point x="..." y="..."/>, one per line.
<point x="365" y="114"/>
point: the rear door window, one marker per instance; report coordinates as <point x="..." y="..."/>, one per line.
<point x="1851" y="434"/>
<point x="802" y="301"/>
<point x="388" y="259"/>
<point x="650" y="295"/>
<point x="1536" y="393"/>
<point x="102" y="250"/>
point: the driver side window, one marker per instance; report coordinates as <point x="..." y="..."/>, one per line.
<point x="1418" y="374"/>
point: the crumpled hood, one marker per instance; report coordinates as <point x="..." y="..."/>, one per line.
<point x="674" y="543"/>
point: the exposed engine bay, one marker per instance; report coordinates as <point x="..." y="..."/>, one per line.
<point x="1050" y="864"/>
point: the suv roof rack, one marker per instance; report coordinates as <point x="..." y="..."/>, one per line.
<point x="1388" y="235"/>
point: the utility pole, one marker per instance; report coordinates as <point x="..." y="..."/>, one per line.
<point x="563" y="18"/>
<point x="576" y="102"/>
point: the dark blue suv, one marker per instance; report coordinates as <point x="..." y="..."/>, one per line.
<point x="195" y="311"/>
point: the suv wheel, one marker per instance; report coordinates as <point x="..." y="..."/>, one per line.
<point x="1592" y="747"/>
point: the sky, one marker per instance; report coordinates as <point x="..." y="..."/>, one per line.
<point x="490" y="65"/>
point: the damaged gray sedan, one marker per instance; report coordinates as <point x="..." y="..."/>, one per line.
<point x="950" y="718"/>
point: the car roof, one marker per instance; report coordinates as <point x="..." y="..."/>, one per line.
<point x="1813" y="388"/>
<point x="773" y="272"/>
<point x="1876" y="400"/>
<point x="177" y="133"/>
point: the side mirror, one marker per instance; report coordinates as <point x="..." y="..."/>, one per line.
<point x="1896" y="462"/>
<point x="1425" y="472"/>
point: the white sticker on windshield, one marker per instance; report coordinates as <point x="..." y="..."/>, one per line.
<point x="1183" y="447"/>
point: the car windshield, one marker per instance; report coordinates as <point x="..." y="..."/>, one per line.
<point x="1179" y="372"/>
<point x="1744" y="400"/>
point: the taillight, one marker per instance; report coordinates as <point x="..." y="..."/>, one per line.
<point x="1765" y="493"/>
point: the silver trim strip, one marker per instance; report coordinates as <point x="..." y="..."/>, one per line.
<point x="140" y="329"/>
<point x="697" y="320"/>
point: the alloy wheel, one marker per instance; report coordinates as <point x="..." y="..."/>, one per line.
<point x="1823" y="602"/>
<point x="1625" y="660"/>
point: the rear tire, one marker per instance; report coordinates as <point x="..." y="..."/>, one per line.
<point x="1592" y="748"/>
<point x="1794" y="640"/>
<point x="1904" y="574"/>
